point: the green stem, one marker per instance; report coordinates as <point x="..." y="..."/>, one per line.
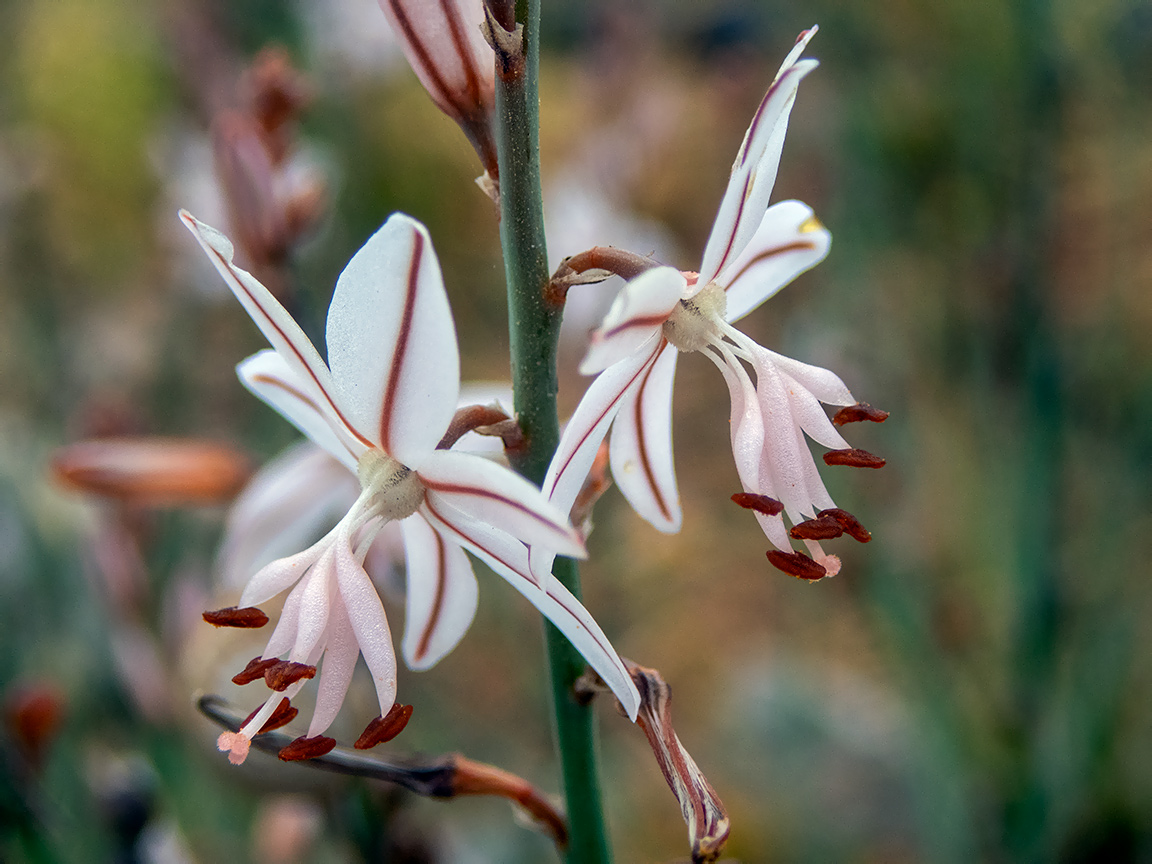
<point x="534" y="326"/>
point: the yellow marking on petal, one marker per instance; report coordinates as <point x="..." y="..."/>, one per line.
<point x="811" y="224"/>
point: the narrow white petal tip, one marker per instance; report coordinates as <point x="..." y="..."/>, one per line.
<point x="235" y="745"/>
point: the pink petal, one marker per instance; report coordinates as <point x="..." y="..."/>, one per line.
<point x="289" y="502"/>
<point x="809" y="414"/>
<point x="637" y="315"/>
<point x="640" y="449"/>
<point x="284" y="636"/>
<point x="509" y="558"/>
<point x="279" y="575"/>
<point x="392" y="344"/>
<point x="273" y="319"/>
<point x="269" y="377"/>
<point x="441" y="597"/>
<point x="315" y="602"/>
<point x="824" y="385"/>
<point x="788" y="242"/>
<point x="366" y="614"/>
<point x="782" y="463"/>
<point x="754" y="172"/>
<point x="494" y="495"/>
<point x="445" y="49"/>
<point x="340" y="656"/>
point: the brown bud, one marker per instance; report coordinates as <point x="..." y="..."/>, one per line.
<point x="307" y="748"/>
<point x="796" y="564"/>
<point x="759" y="503"/>
<point x="820" y="528"/>
<point x="848" y="522"/>
<point x="859" y="411"/>
<point x="284" y="673"/>
<point x="246" y="618"/>
<point x="854" y="458"/>
<point x="153" y="472"/>
<point x="385" y="728"/>
<point x="282" y="716"/>
<point x="255" y="669"/>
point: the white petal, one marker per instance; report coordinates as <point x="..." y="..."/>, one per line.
<point x="289" y="502"/>
<point x="493" y="494"/>
<point x="392" y="343"/>
<point x="441" y="597"/>
<point x="585" y="431"/>
<point x="509" y="558"/>
<point x="637" y="315"/>
<point x="640" y="450"/>
<point x="340" y="656"/>
<point x="782" y="464"/>
<point x="824" y="385"/>
<point x="366" y="613"/>
<point x="274" y="322"/>
<point x="269" y="377"/>
<point x="281" y="574"/>
<point x="788" y="242"/>
<point x="284" y="636"/>
<point x="753" y="173"/>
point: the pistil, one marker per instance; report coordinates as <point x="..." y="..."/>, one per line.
<point x="696" y="321"/>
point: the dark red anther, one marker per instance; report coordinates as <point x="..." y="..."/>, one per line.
<point x="256" y="668"/>
<point x="797" y="564"/>
<point x="759" y="503"/>
<point x="820" y="528"/>
<point x="307" y="748"/>
<point x="848" y="522"/>
<point x="385" y="728"/>
<point x="859" y="411"/>
<point x="248" y="617"/>
<point x="854" y="458"/>
<point x="282" y="716"/>
<point x="284" y="673"/>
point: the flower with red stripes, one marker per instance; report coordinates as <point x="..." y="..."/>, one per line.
<point x="380" y="405"/>
<point x="753" y="251"/>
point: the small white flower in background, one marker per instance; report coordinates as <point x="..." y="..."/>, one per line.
<point x="753" y="251"/>
<point x="380" y="406"/>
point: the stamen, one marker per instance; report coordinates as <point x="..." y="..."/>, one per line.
<point x="284" y="673"/>
<point x="282" y="716"/>
<point x="247" y="617"/>
<point x="759" y="503"/>
<point x="307" y="748"/>
<point x="854" y="458"/>
<point x="820" y="528"/>
<point x="385" y="728"/>
<point x="796" y="564"/>
<point x="849" y="523"/>
<point x="859" y="411"/>
<point x="256" y="668"/>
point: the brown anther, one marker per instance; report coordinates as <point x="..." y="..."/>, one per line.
<point x="848" y="522"/>
<point x="282" y="716"/>
<point x="859" y="411"/>
<point x="284" y="673"/>
<point x="255" y="669"/>
<point x="759" y="503"/>
<point x="247" y="617"/>
<point x="854" y="458"/>
<point x="820" y="528"/>
<point x="385" y="728"/>
<point x="307" y="748"/>
<point x="796" y="564"/>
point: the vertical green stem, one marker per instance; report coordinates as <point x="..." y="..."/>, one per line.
<point x="534" y="325"/>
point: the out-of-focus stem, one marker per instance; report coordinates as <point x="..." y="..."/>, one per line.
<point x="534" y="326"/>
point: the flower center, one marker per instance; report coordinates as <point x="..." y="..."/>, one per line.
<point x="395" y="490"/>
<point x="694" y="320"/>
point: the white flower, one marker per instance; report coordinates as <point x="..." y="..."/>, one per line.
<point x="380" y="406"/>
<point x="752" y="252"/>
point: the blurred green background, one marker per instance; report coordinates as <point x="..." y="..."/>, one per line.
<point x="974" y="686"/>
